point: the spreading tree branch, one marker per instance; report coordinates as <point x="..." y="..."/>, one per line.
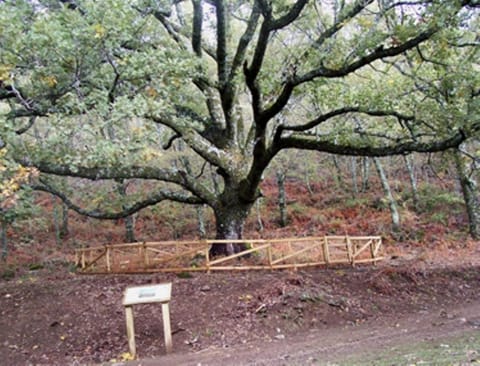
<point x="342" y="111"/>
<point x="174" y="176"/>
<point x="342" y="19"/>
<point x="128" y="210"/>
<point x="377" y="54"/>
<point x="314" y="142"/>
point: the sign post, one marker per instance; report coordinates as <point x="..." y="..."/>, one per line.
<point x="145" y="295"/>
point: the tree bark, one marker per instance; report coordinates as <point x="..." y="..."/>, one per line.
<point x="56" y="224"/>
<point x="129" y="220"/>
<point x="3" y="236"/>
<point x="388" y="194"/>
<point x="353" y="167"/>
<point x="308" y="183"/>
<point x="413" y="181"/>
<point x="202" y="232"/>
<point x="64" y="227"/>
<point x="229" y="223"/>
<point x="470" y="195"/>
<point x="130" y="229"/>
<point x="338" y="175"/>
<point x="282" y="200"/>
<point x="260" y="226"/>
<point x="365" y="173"/>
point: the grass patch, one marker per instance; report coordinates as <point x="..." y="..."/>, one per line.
<point x="463" y="350"/>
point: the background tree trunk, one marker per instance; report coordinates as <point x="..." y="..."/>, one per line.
<point x="470" y="195"/>
<point x="129" y="220"/>
<point x="413" y="181"/>
<point x="388" y="194"/>
<point x="130" y="229"/>
<point x="260" y="226"/>
<point x="282" y="200"/>
<point x="365" y="173"/>
<point x="338" y="171"/>
<point x="64" y="227"/>
<point x="353" y="170"/>
<point x="308" y="183"/>
<point x="3" y="236"/>
<point x="202" y="232"/>
<point x="56" y="222"/>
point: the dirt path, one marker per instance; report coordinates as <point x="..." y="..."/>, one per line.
<point x="335" y="345"/>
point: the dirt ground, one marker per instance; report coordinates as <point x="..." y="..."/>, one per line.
<point x="54" y="317"/>
<point x="365" y="344"/>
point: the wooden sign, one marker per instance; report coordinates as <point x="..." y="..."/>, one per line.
<point x="147" y="294"/>
<point x="143" y="295"/>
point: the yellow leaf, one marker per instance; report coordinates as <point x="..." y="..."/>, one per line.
<point x="126" y="356"/>
<point x="62" y="337"/>
<point x="51" y="81"/>
<point x="365" y="22"/>
<point x="5" y="72"/>
<point x="151" y="92"/>
<point x="99" y="30"/>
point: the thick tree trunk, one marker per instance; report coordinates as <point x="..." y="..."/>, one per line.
<point x="388" y="193"/>
<point x="230" y="220"/>
<point x="470" y="195"/>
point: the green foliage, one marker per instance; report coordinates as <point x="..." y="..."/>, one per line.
<point x="8" y="273"/>
<point x="433" y="198"/>
<point x="356" y="202"/>
<point x="129" y="89"/>
<point x="440" y="217"/>
<point x="184" y="275"/>
<point x="16" y="201"/>
<point x="77" y="57"/>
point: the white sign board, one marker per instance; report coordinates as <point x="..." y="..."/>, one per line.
<point x="147" y="294"/>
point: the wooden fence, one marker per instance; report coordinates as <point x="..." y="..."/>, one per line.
<point x="186" y="256"/>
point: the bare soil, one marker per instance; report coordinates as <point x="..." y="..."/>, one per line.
<point x="428" y="288"/>
<point x="53" y="317"/>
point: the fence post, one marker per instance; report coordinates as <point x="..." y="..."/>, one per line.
<point x="326" y="253"/>
<point x="349" y="251"/>
<point x="146" y="261"/>
<point x="109" y="268"/>
<point x="207" y="257"/>
<point x="373" y="249"/>
<point x="269" y="255"/>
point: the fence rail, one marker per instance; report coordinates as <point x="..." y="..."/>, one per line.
<point x="186" y="256"/>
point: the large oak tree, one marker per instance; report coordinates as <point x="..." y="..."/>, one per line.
<point x="173" y="91"/>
